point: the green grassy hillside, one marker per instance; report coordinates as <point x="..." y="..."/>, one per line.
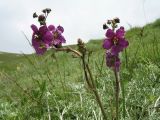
<point x="29" y="84"/>
<point x="148" y="44"/>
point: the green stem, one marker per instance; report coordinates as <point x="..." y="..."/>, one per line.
<point x="117" y="89"/>
<point x="85" y="73"/>
<point x="124" y="102"/>
<point x="92" y="86"/>
<point x="96" y="93"/>
<point x="126" y="58"/>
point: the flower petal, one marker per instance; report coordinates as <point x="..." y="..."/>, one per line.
<point x="109" y="59"/>
<point x="124" y="43"/>
<point x="35" y="43"/>
<point x="40" y="51"/>
<point x="51" y="27"/>
<point x="116" y="49"/>
<point x="62" y="39"/>
<point x="107" y="44"/>
<point x="34" y="28"/>
<point x="110" y="33"/>
<point x="57" y="42"/>
<point x="112" y="61"/>
<point x="48" y="37"/>
<point x="43" y="29"/>
<point x="60" y="28"/>
<point x="120" y="32"/>
<point x="117" y="64"/>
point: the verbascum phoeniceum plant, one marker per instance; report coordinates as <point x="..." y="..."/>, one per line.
<point x="114" y="43"/>
<point x="50" y="37"/>
<point x="47" y="37"/>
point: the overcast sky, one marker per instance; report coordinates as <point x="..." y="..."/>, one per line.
<point x="80" y="18"/>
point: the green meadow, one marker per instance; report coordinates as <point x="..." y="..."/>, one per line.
<point x="53" y="86"/>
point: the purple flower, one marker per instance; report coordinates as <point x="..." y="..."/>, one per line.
<point x="44" y="37"/>
<point x="41" y="38"/>
<point x="58" y="38"/>
<point x="39" y="47"/>
<point x="115" y="41"/>
<point x="112" y="61"/>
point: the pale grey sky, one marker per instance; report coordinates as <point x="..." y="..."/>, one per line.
<point x="80" y="18"/>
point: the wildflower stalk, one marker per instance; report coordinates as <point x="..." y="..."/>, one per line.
<point x="48" y="107"/>
<point x="68" y="49"/>
<point x="96" y="94"/>
<point x="117" y="89"/>
<point x="126" y="58"/>
<point x="114" y="43"/>
<point x="124" y="102"/>
<point x="89" y="80"/>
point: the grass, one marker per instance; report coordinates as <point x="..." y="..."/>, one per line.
<point x="53" y="86"/>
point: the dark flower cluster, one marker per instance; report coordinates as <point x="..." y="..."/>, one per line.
<point x="114" y="43"/>
<point x="45" y="36"/>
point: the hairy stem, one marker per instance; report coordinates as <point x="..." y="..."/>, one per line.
<point x="96" y="93"/>
<point x="123" y="96"/>
<point x="117" y="89"/>
<point x="68" y="49"/>
<point x="92" y="86"/>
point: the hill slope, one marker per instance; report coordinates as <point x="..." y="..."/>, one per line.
<point x="147" y="45"/>
<point x="33" y="87"/>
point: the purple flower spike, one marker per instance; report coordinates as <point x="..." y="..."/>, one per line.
<point x="58" y="38"/>
<point x="110" y="33"/>
<point x="114" y="43"/>
<point x="45" y="36"/>
<point x="112" y="61"/>
<point x="41" y="39"/>
<point x="120" y="32"/>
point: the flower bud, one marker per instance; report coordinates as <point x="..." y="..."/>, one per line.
<point x="109" y="21"/>
<point x="41" y="18"/>
<point x="105" y="26"/>
<point x="44" y="10"/>
<point x="115" y="26"/>
<point x="81" y="46"/>
<point x="80" y="42"/>
<point x="48" y="10"/>
<point x="116" y="20"/>
<point x="35" y="15"/>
